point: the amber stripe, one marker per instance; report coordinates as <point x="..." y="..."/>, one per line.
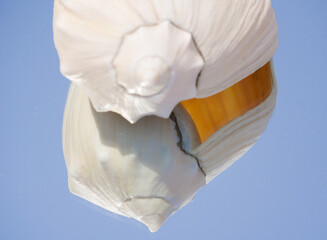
<point x="212" y="113"/>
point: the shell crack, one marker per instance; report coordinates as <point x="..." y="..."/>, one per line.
<point x="180" y="143"/>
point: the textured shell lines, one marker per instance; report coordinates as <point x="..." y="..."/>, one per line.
<point x="238" y="38"/>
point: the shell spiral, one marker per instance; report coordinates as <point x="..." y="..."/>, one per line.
<point x="140" y="58"/>
<point x="153" y="64"/>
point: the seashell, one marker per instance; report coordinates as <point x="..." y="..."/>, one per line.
<point x="141" y="58"/>
<point x="151" y="169"/>
<point x="165" y="95"/>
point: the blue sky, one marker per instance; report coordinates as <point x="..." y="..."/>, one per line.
<point x="278" y="190"/>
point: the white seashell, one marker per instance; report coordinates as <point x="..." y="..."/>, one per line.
<point x="150" y="169"/>
<point x="224" y="40"/>
<point x="135" y="60"/>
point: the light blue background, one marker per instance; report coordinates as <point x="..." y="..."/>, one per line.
<point x="278" y="190"/>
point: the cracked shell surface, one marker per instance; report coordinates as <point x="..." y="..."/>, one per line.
<point x="238" y="38"/>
